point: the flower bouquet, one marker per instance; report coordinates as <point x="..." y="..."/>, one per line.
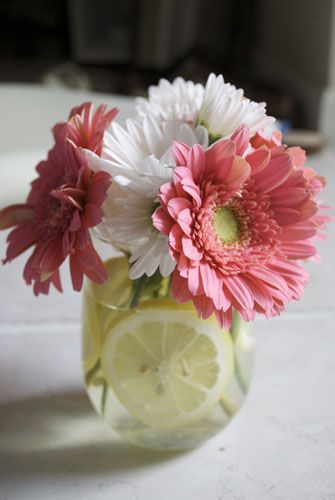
<point x="211" y="215"/>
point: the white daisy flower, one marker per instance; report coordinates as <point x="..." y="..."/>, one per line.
<point x="179" y="100"/>
<point x="219" y="106"/>
<point x="140" y="160"/>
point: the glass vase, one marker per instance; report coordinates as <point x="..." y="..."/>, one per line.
<point x="159" y="375"/>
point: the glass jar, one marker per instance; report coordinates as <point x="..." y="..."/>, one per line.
<point x="159" y="375"/>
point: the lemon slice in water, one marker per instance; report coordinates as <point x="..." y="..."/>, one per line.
<point x="100" y="308"/>
<point x="167" y="367"/>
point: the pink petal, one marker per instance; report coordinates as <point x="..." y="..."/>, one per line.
<point x="308" y="209"/>
<point x="241" y="138"/>
<point x="19" y="240"/>
<point x="86" y="127"/>
<point x="259" y="292"/>
<point x="183" y="265"/>
<point x="180" y="152"/>
<point x="75" y="222"/>
<point x="185" y="221"/>
<point x="193" y="190"/>
<point x="179" y="288"/>
<point x="162" y="220"/>
<point x="191" y="251"/>
<point x="203" y="305"/>
<point x="224" y="318"/>
<point x="196" y="160"/>
<point x="298" y="231"/>
<point x="288" y="196"/>
<point x="219" y="152"/>
<point x="295" y="178"/>
<point x="272" y="278"/>
<point x="258" y="159"/>
<point x="239" y="291"/>
<point x="298" y="250"/>
<point x="289" y="268"/>
<point x="92" y="216"/>
<point x="299" y="156"/>
<point x="78" y="110"/>
<point x="260" y="139"/>
<point x="194" y="280"/>
<point x="222" y="170"/>
<point x="83" y="238"/>
<point x="177" y="205"/>
<point x="77" y="276"/>
<point x="98" y="274"/>
<point x="275" y="173"/>
<point x="44" y="286"/>
<point x="181" y="176"/>
<point x="239" y="173"/>
<point x="247" y="315"/>
<point x="223" y="298"/>
<point x="166" y="192"/>
<point x="182" y="173"/>
<point x="68" y="240"/>
<point x="97" y="192"/>
<point x="55" y="280"/>
<point x="209" y="280"/>
<point x="88" y="262"/>
<point x="52" y="256"/>
<point x="175" y="238"/>
<point x="286" y="215"/>
<point x="15" y="214"/>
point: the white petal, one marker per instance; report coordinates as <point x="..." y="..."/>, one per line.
<point x="224" y="109"/>
<point x="166" y="265"/>
<point x="153" y="254"/>
<point x="96" y="163"/>
<point x="179" y="100"/>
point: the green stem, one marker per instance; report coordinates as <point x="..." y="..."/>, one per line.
<point x="168" y="290"/>
<point x="229" y="411"/>
<point x="235" y="326"/>
<point x="90" y="374"/>
<point x="135" y="299"/>
<point x="138" y="290"/>
<point x="234" y="331"/>
<point x="104" y="397"/>
<point x="239" y="375"/>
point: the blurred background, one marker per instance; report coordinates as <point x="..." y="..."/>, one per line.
<point x="280" y="52"/>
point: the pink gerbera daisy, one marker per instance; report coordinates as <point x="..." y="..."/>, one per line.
<point x="237" y="226"/>
<point x="86" y="127"/>
<point x="64" y="202"/>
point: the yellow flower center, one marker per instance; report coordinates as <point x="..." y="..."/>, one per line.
<point x="226" y="225"/>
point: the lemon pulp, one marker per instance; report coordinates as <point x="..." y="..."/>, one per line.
<point x="167" y="367"/>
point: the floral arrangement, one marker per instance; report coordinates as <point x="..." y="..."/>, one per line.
<point x="194" y="187"/>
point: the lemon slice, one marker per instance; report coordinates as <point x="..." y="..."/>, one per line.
<point x="100" y="308"/>
<point x="117" y="289"/>
<point x="167" y="367"/>
<point x="91" y="344"/>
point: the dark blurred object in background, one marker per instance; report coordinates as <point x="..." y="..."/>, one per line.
<point x="147" y="34"/>
<point x="279" y="52"/>
<point x="31" y="32"/>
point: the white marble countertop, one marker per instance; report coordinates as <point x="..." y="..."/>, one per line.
<point x="281" y="446"/>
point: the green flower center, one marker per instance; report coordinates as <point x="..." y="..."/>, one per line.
<point x="153" y="207"/>
<point x="212" y="136"/>
<point x="226" y="225"/>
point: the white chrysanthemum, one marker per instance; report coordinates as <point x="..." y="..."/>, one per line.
<point x="180" y="100"/>
<point x="139" y="159"/>
<point x="219" y="106"/>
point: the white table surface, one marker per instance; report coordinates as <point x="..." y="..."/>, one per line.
<point x="281" y="446"/>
